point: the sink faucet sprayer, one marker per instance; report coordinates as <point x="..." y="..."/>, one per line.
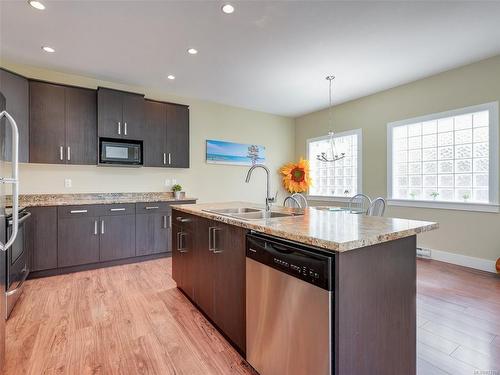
<point x="269" y="199"/>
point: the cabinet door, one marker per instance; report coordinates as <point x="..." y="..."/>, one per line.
<point x="183" y="256"/>
<point x="178" y="135"/>
<point x="47" y="123"/>
<point x="42" y="237"/>
<point x="152" y="234"/>
<point x="133" y="116"/>
<point x="117" y="238"/>
<point x="81" y="126"/>
<point x="229" y="281"/>
<point x="15" y="88"/>
<point x="109" y="113"/>
<point x="204" y="269"/>
<point x="78" y="241"/>
<point x="155" y="134"/>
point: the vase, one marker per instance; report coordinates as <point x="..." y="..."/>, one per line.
<point x="177" y="194"/>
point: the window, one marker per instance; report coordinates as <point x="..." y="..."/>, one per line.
<point x="340" y="179"/>
<point x="445" y="160"/>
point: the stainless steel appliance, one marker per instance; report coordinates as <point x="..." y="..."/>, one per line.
<point x="17" y="267"/>
<point x="289" y="291"/>
<point x="112" y="151"/>
<point x="6" y="119"/>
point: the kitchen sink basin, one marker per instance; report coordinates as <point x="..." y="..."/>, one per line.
<point x="247" y="213"/>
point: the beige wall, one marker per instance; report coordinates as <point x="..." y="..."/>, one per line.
<point x="205" y="181"/>
<point x="469" y="233"/>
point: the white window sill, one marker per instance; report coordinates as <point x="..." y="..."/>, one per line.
<point x="329" y="198"/>
<point x="462" y="206"/>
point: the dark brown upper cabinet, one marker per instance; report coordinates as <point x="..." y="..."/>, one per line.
<point x="15" y="89"/>
<point x="120" y="114"/>
<point x="62" y="124"/>
<point x="166" y="142"/>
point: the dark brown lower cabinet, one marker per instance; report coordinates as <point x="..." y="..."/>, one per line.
<point x="78" y="241"/>
<point x="117" y="237"/>
<point x="152" y="233"/>
<point x="41" y="236"/>
<point x="208" y="264"/>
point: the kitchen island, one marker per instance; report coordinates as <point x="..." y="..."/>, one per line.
<point x="373" y="292"/>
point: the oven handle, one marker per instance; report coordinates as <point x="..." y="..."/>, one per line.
<point x="22" y="219"/>
<point x="19" y="286"/>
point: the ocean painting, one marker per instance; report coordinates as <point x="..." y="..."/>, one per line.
<point x="220" y="152"/>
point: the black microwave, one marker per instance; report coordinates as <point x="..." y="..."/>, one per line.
<point x="120" y="152"/>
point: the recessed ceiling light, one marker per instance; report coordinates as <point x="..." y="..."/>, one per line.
<point x="48" y="49"/>
<point x="227" y="8"/>
<point x="36" y="4"/>
<point x="192" y="51"/>
<point x="170" y="76"/>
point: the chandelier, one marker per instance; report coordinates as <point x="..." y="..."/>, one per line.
<point x="334" y="155"/>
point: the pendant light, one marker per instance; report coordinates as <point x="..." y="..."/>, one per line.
<point x="334" y="154"/>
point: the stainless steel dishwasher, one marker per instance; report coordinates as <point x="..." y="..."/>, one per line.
<point x="289" y="315"/>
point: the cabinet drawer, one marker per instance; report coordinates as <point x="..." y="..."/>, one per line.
<point x="116" y="209"/>
<point x="184" y="221"/>
<point x="152" y="207"/>
<point x="85" y="210"/>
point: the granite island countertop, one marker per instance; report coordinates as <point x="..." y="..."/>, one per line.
<point x="331" y="230"/>
<point x="40" y="200"/>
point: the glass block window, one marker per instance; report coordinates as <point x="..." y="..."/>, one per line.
<point x="336" y="179"/>
<point x="444" y="157"/>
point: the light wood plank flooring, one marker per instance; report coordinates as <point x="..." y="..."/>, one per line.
<point x="132" y="320"/>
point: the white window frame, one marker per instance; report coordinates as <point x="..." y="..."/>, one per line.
<point x="493" y="205"/>
<point x="359" y="187"/>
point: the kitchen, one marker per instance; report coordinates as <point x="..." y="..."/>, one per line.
<point x="142" y="228"/>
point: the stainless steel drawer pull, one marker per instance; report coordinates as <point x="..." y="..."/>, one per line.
<point x="169" y="158"/>
<point x="119" y="127"/>
<point x="212" y="240"/>
<point x="61" y="153"/>
<point x="125" y="128"/>
<point x="95" y="227"/>
<point x="164" y="158"/>
<point x="78" y="211"/>
<point x="183" y="220"/>
<point x="164" y="221"/>
<point x="69" y="153"/>
<point x="152" y="207"/>
<point x="117" y="209"/>
<point x="102" y="226"/>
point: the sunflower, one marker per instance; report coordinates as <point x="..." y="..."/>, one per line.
<point x="296" y="176"/>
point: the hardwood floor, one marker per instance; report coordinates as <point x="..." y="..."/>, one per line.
<point x="132" y="320"/>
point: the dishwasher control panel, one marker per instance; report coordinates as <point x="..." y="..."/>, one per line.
<point x="294" y="259"/>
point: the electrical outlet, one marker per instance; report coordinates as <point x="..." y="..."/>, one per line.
<point x="424" y="253"/>
<point x="167" y="182"/>
<point x="67" y="182"/>
<point x="174" y="181"/>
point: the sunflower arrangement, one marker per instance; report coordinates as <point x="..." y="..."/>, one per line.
<point x="296" y="177"/>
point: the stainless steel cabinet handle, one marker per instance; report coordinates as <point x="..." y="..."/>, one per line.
<point x="169" y="158"/>
<point x="170" y="221"/>
<point x="95" y="227"/>
<point x="180" y="244"/>
<point x="69" y="153"/>
<point x="117" y="209"/>
<point x="164" y="158"/>
<point x="78" y="211"/>
<point x="212" y="240"/>
<point x="164" y="221"/>
<point x="183" y="220"/>
<point x="152" y="207"/>
<point x="119" y="127"/>
<point x="61" y="153"/>
<point x="125" y="128"/>
<point x="102" y="226"/>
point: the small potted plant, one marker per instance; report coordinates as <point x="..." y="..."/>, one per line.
<point x="466" y="196"/>
<point x="434" y="195"/>
<point x="177" y="191"/>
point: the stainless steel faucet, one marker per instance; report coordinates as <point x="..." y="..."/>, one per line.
<point x="269" y="199"/>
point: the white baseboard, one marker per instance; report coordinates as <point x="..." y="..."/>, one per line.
<point x="462" y="260"/>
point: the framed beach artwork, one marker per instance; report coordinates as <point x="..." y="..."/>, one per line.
<point x="221" y="152"/>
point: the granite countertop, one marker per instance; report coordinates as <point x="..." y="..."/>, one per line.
<point x="331" y="230"/>
<point x="38" y="200"/>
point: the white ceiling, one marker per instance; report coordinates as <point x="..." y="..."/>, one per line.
<point x="270" y="56"/>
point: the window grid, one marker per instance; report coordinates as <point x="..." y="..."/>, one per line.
<point x="334" y="179"/>
<point x="445" y="159"/>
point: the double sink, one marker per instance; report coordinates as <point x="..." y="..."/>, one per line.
<point x="247" y="213"/>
